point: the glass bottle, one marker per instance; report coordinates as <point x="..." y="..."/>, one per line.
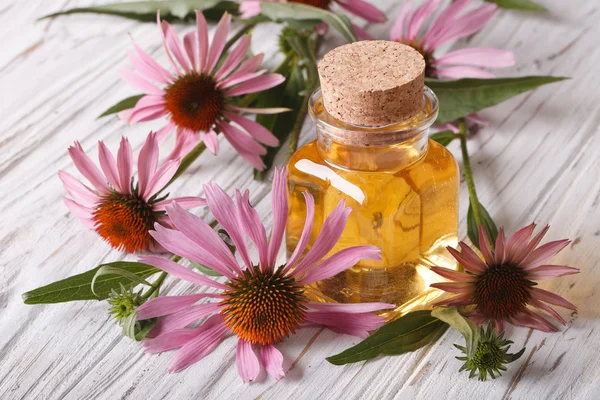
<point x="403" y="191"/>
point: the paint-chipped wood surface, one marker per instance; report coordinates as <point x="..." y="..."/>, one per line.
<point x="539" y="161"/>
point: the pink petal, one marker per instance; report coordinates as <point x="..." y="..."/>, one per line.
<point x="87" y="168"/>
<point x="454" y="287"/>
<point x="257" y="84"/>
<point x="185" y="317"/>
<point x="472" y="257"/>
<point x="184" y="143"/>
<point x="147" y="114"/>
<point x="164" y="305"/>
<point x="203" y="235"/>
<point x="202" y="29"/>
<point x="356" y="308"/>
<point x="549" y="297"/>
<point x="78" y="191"/>
<point x="361" y="34"/>
<point x="252" y="225"/>
<point x="237" y="79"/>
<point x="147" y="162"/>
<point x="341" y="261"/>
<point x="234" y="58"/>
<point x="518" y="241"/>
<point x="78" y="210"/>
<point x="454" y="275"/>
<point x="362" y="9"/>
<point x="485" y="246"/>
<point x="124" y="165"/>
<point x="211" y="141"/>
<point x="173" y="45"/>
<point x="346" y="323"/>
<point x="465" y="261"/>
<point x="397" y="32"/>
<point x="148" y="67"/>
<point x="164" y="132"/>
<point x="223" y="208"/>
<point x="525" y="251"/>
<point x="162" y="176"/>
<point x="244" y="145"/>
<point x="247" y="363"/>
<point x="271" y="110"/>
<point x="443" y="22"/>
<point x="249" y="8"/>
<point x="178" y="243"/>
<point x="478" y="57"/>
<point x="533" y="321"/>
<point x="279" y="203"/>
<point x="191" y="47"/>
<point x="419" y="17"/>
<point x="545" y="307"/>
<point x="462" y="72"/>
<point x="256" y="130"/>
<point x="247" y="66"/>
<point x="272" y="360"/>
<point x="181" y="272"/>
<point x="218" y="42"/>
<point x="544" y="253"/>
<point x="499" y="252"/>
<point x="330" y="233"/>
<point x="466" y="25"/>
<point x="306" y="230"/>
<point x="185" y="202"/>
<point x="197" y="348"/>
<point x="463" y="299"/>
<point x="179" y="337"/>
<point x="138" y="82"/>
<point x="108" y="165"/>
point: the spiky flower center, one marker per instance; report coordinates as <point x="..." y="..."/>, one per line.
<point x="124" y="220"/>
<point x="324" y="4"/>
<point x="502" y="291"/>
<point x="264" y="307"/>
<point x="194" y="101"/>
<point x="427" y="55"/>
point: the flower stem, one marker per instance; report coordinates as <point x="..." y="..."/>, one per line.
<point x="187" y="161"/>
<point x="297" y="128"/>
<point x="469" y="174"/>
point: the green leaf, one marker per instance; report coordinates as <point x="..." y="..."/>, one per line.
<point x="280" y="12"/>
<point x="286" y="95"/>
<point x="170" y="10"/>
<point x="462" y="97"/>
<point x="452" y="317"/>
<point x="444" y="137"/>
<point x="204" y="269"/>
<point x="124" y="104"/>
<point x="488" y="224"/>
<point x="112" y="270"/>
<point x="408" y="333"/>
<point x="79" y="287"/>
<point x="523" y="5"/>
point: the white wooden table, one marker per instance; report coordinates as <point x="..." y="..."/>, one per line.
<point x="539" y="161"/>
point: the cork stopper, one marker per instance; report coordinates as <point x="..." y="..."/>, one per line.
<point x="372" y="83"/>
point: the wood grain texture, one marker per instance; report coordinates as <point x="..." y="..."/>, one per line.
<point x="538" y="161"/>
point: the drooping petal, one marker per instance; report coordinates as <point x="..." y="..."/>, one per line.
<point x="147" y="162"/>
<point x="549" y="297"/>
<point x="550" y="271"/>
<point x="545" y="307"/>
<point x="478" y="57"/>
<point x="164" y="305"/>
<point x="533" y="321"/>
<point x="179" y="337"/>
<point x="543" y="254"/>
<point x="198" y="347"/>
<point x="185" y="202"/>
<point x="454" y="275"/>
<point x="148" y="67"/>
<point x="87" y="168"/>
<point x="218" y="42"/>
<point x="346" y="323"/>
<point x="211" y="141"/>
<point x="306" y="230"/>
<point x="363" y="9"/>
<point x="272" y="360"/>
<point x="78" y="210"/>
<point x="256" y="130"/>
<point x="147" y="114"/>
<point x="247" y="363"/>
<point x="279" y="203"/>
<point x="249" y="149"/>
<point x="138" y="82"/>
<point x="78" y="191"/>
<point x="174" y="46"/>
<point x="330" y="233"/>
<point x="181" y="272"/>
<point x="185" y="317"/>
<point x="340" y="261"/>
<point x="252" y="225"/>
<point x="160" y="178"/>
<point x="398" y="27"/>
<point x="234" y="57"/>
<point x="257" y="84"/>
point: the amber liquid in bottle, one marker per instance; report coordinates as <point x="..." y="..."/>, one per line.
<point x="404" y="200"/>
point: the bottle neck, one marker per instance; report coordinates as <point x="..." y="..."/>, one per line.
<point x="368" y="148"/>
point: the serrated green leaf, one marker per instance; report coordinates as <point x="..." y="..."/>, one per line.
<point x="523" y="5"/>
<point x="124" y="104"/>
<point x="204" y="269"/>
<point x="488" y="224"/>
<point x="78" y="287"/>
<point x="462" y="97"/>
<point x="280" y="12"/>
<point x="444" y="137"/>
<point x="170" y="10"/>
<point x="452" y="317"/>
<point x="408" y="333"/>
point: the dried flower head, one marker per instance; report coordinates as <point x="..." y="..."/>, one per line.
<point x="489" y="354"/>
<point x="260" y="303"/>
<point x="502" y="285"/>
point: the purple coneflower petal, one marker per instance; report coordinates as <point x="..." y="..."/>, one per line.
<point x="534" y="321"/>
<point x="478" y="57"/>
<point x="419" y="17"/>
<point x="181" y="272"/>
<point x="191" y="49"/>
<point x="543" y="254"/>
<point x="109" y="166"/>
<point x="362" y="9"/>
<point x="398" y="27"/>
<point x="306" y="230"/>
<point x="463" y="299"/>
<point x="472" y="257"/>
<point x="211" y="141"/>
<point x="179" y="337"/>
<point x="349" y="308"/>
<point x="463" y="72"/>
<point x="476" y="268"/>
<point x="198" y="347"/>
<point x="234" y="57"/>
<point x="165" y="305"/>
<point x="279" y="202"/>
<point x="549" y="297"/>
<point x="78" y="191"/>
<point x="247" y="363"/>
<point x="244" y="145"/>
<point x="466" y="25"/>
<point x="87" y="168"/>
<point x="147" y="162"/>
<point x="218" y="42"/>
<point x="78" y="210"/>
<point x="340" y="261"/>
<point x="202" y="29"/>
<point x="330" y="234"/>
<point x="529" y="247"/>
<point x="137" y="81"/>
<point x="550" y="271"/>
<point x="149" y="67"/>
<point x="147" y="114"/>
<point x="185" y="202"/>
<point x="125" y="165"/>
<point x="454" y="275"/>
<point x="454" y="287"/>
<point x="246" y="67"/>
<point x="256" y="130"/>
<point x="270" y="110"/>
<point x="252" y="225"/>
<point x="160" y="178"/>
<point x="499" y="251"/>
<point x="545" y="307"/>
<point x="518" y="241"/>
<point x="346" y="323"/>
<point x="272" y="360"/>
<point x="443" y="22"/>
<point x="257" y="84"/>
<point x="250" y="8"/>
<point x="174" y="46"/>
<point x="183" y="318"/>
<point x="239" y="78"/>
<point x="485" y="246"/>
